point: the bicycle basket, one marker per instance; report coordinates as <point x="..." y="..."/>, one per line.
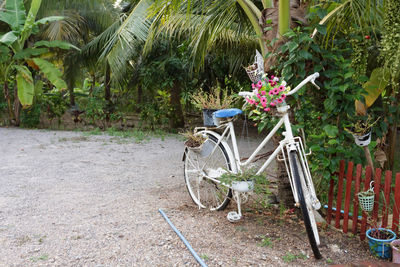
<point x="256" y="70"/>
<point x="366" y="200"/>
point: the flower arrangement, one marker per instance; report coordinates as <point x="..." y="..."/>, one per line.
<point x="268" y="93"/>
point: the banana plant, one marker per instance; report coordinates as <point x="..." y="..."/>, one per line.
<point x="18" y="54"/>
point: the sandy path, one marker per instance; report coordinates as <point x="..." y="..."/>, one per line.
<point x="67" y="199"/>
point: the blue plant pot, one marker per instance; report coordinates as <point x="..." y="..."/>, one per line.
<point x="381" y="247"/>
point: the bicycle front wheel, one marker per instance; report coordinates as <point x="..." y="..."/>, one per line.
<point x="205" y="192"/>
<point x="305" y="202"/>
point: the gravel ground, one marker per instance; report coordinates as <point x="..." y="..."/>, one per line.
<point x="70" y="199"/>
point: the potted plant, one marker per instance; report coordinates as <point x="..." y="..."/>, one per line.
<point x="361" y="129"/>
<point x="194" y="141"/>
<point x="243" y="181"/>
<point x="395" y="244"/>
<point x="379" y="240"/>
<point x="209" y="102"/>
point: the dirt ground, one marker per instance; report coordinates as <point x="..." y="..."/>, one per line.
<point x="72" y="199"/>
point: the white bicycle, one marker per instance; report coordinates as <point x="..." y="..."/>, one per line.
<point x="202" y="170"/>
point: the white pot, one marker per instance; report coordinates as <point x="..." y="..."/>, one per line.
<point x="242" y="186"/>
<point x="362" y="140"/>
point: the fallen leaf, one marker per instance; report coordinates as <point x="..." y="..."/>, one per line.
<point x="380" y="157"/>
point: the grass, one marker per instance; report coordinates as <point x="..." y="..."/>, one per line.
<point x="40" y="258"/>
<point x="204" y="257"/>
<point x="265" y="242"/>
<point x="290" y="257"/>
<point x="138" y="135"/>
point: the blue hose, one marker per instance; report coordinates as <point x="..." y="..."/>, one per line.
<point x="200" y="261"/>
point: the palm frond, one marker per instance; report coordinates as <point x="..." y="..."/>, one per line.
<point x="364" y="15"/>
<point x="123" y="44"/>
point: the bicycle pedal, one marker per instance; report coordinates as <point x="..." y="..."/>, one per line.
<point x="233" y="216"/>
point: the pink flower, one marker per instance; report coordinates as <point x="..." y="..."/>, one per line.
<point x="272" y="104"/>
<point x="283" y="96"/>
<point x="281" y="88"/>
<point x="263" y="104"/>
<point x="263" y="99"/>
<point x="272" y="76"/>
<point x="259" y="84"/>
<point x="267" y="109"/>
<point x="276" y="91"/>
<point x="280" y="100"/>
<point x="263" y="92"/>
<point x="271" y="92"/>
<point x="247" y="100"/>
<point x="258" y="95"/>
<point x="253" y="86"/>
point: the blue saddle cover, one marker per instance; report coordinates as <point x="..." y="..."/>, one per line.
<point x="225" y="113"/>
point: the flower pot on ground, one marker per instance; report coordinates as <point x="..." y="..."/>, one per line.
<point x="379" y="240"/>
<point x="395" y="244"/>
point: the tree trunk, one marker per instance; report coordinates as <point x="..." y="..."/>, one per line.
<point x="176" y="115"/>
<point x="107" y="95"/>
<point x="71" y="95"/>
<point x="17" y="106"/>
<point x="8" y="99"/>
<point x="139" y="98"/>
<point x="93" y="84"/>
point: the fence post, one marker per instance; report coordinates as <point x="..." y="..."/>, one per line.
<point x="377" y="188"/>
<point x="385" y="209"/>
<point x="396" y="206"/>
<point x="347" y="196"/>
<point x="368" y="172"/>
<point x="339" y="196"/>
<point x="355" y="198"/>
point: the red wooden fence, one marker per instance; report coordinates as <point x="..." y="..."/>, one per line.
<point x="348" y="184"/>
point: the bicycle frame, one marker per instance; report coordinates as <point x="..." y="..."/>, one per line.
<point x="289" y="143"/>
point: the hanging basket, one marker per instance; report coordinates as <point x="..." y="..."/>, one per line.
<point x="366" y="200"/>
<point x="256" y="70"/>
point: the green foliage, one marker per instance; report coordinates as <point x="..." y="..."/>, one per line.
<point x="322" y="114"/>
<point x="265" y="242"/>
<point x="156" y="114"/>
<point x="30" y="117"/>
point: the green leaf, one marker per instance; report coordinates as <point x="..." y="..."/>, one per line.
<point x="331" y="130"/>
<point x="56" y="44"/>
<point x="321" y="29"/>
<point x="304" y="54"/>
<point x="333" y="142"/>
<point x="375" y="85"/>
<point x="293" y="46"/>
<point x="39" y="87"/>
<point x="29" y="52"/>
<point x="8" y="38"/>
<point x="48" y="19"/>
<point x="14" y="14"/>
<point x="51" y="73"/>
<point x="25" y="85"/>
<point x="4" y="53"/>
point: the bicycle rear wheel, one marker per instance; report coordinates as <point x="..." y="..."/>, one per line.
<point x="205" y="192"/>
<point x="305" y="202"/>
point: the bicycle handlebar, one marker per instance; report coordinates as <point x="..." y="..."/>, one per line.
<point x="311" y="78"/>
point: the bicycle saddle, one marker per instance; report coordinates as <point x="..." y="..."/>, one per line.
<point x="225" y="113"/>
